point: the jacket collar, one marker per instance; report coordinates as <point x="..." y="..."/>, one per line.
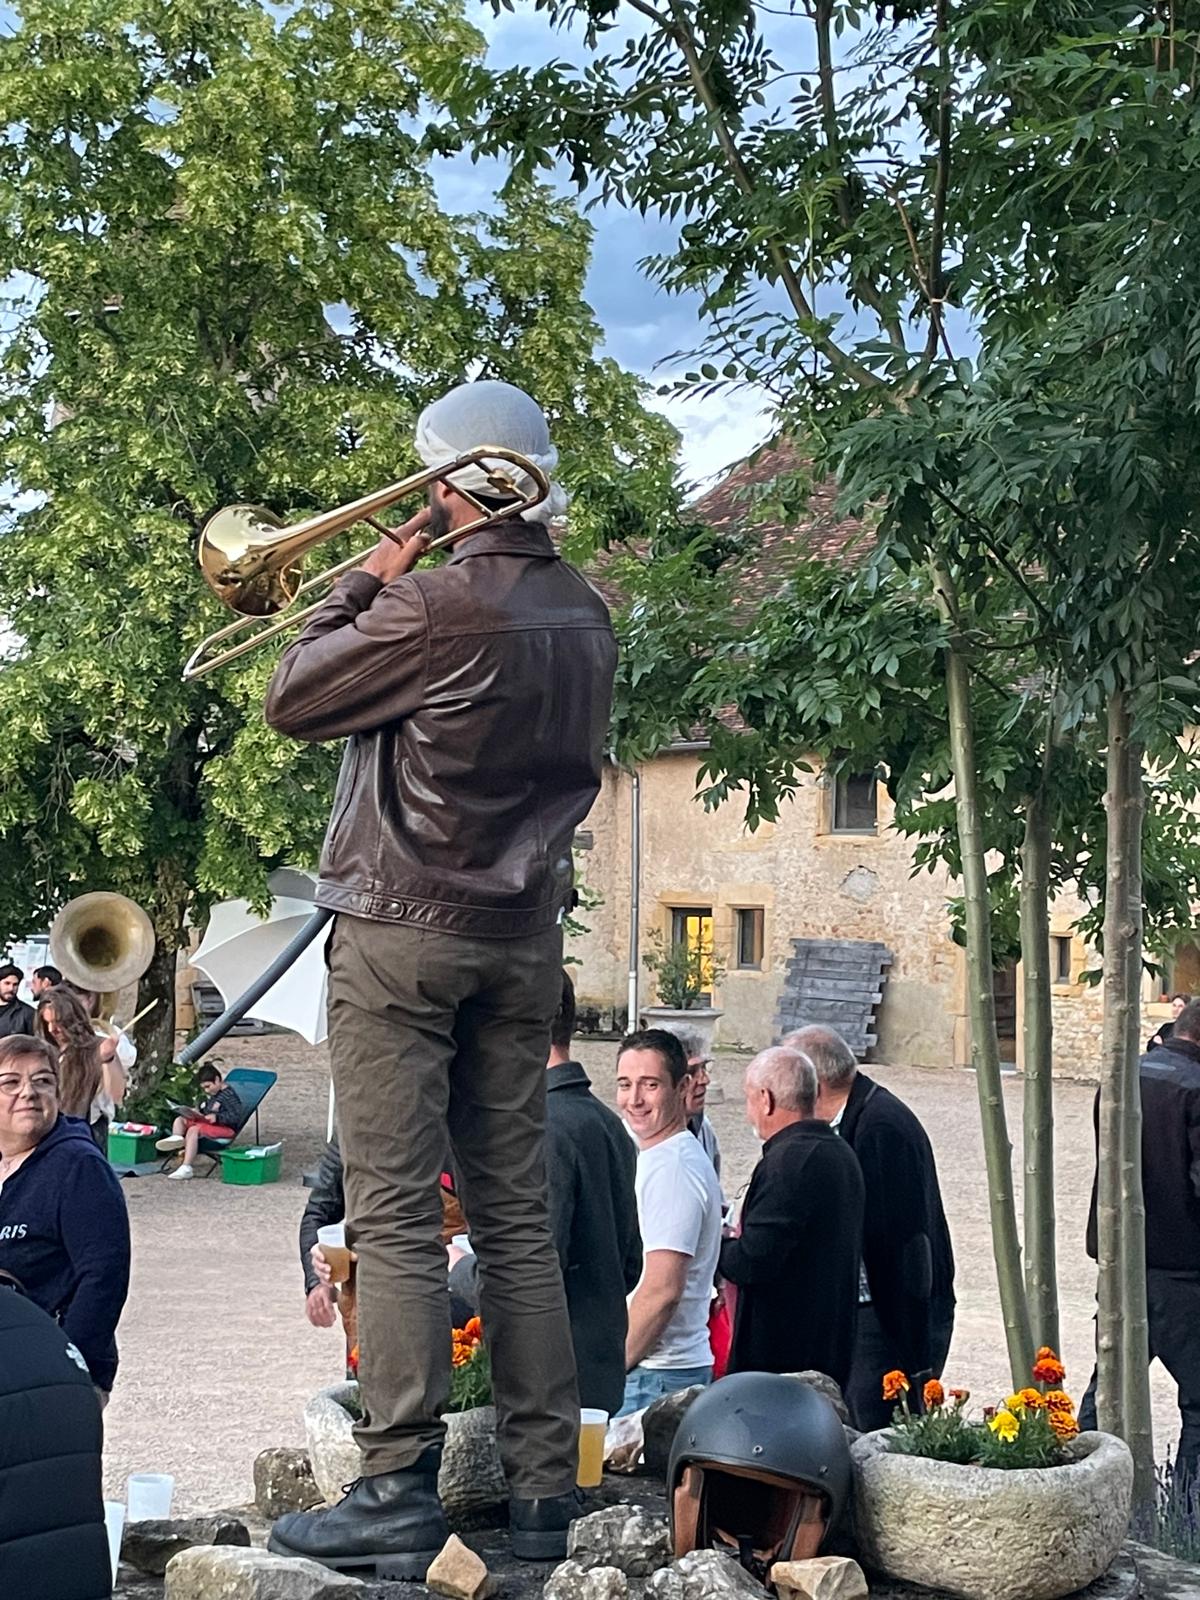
<point x="810" y="1129"/>
<point x="861" y="1091"/>
<point x="1174" y="1046"/>
<point x="510" y="538"/>
<point x="569" y="1075"/>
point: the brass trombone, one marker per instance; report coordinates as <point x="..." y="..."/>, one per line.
<point x="253" y="562"/>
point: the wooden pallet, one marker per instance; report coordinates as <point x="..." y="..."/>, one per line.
<point x="838" y="982"/>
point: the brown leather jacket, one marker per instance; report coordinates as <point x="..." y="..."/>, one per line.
<point x="476" y="697"/>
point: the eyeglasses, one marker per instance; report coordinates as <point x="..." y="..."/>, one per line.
<point x="45" y="1083"/>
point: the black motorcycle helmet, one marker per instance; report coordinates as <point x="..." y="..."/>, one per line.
<point x="760" y="1468"/>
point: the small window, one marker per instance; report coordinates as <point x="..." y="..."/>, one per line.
<point x="750" y="939"/>
<point x="854" y="802"/>
<point x="1060" y="958"/>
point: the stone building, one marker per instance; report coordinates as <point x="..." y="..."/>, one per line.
<point x="831" y="867"/>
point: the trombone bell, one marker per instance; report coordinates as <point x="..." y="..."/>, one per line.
<point x="253" y="562"/>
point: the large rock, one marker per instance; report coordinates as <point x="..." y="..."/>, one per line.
<point x="819" y="1578"/>
<point x="148" y="1546"/>
<point x="223" y="1574"/>
<point x="704" y="1575"/>
<point x="824" y="1384"/>
<point x="989" y="1534"/>
<point x="660" y="1423"/>
<point x="625" y="1537"/>
<point x="283" y="1482"/>
<point x="571" y="1581"/>
<point x="471" y="1482"/>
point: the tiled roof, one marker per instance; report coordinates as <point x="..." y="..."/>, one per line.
<point x="730" y="506"/>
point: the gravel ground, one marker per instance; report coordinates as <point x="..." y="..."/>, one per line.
<point x="217" y="1358"/>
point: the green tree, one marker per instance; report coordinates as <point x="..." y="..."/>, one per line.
<point x="228" y="278"/>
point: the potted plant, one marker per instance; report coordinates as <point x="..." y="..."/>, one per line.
<point x="682" y="974"/>
<point x="1017" y="1505"/>
<point x="471" y="1481"/>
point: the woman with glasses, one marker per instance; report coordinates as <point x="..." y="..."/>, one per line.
<point x="64" y="1230"/>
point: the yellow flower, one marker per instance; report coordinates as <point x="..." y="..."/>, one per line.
<point x="1014" y="1403"/>
<point x="1005" y="1426"/>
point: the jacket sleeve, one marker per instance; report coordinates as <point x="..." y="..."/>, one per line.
<point x="464" y="1281"/>
<point x="634" y="1255"/>
<point x="360" y="662"/>
<point x="326" y="1204"/>
<point x="94" y="1225"/>
<point x="1194" y="1141"/>
<point x="773" y="1212"/>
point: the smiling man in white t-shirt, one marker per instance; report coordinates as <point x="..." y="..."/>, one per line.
<point x="679" y="1213"/>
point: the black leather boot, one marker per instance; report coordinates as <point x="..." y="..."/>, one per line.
<point x="393" y="1523"/>
<point x="539" y="1527"/>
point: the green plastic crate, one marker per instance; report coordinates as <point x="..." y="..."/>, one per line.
<point x="254" y="1164"/>
<point x="130" y="1149"/>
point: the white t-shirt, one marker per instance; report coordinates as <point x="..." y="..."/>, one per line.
<point x="679" y="1208"/>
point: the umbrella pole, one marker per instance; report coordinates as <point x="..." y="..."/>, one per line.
<point x="237" y="1009"/>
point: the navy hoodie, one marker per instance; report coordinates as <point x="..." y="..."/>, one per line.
<point x="64" y="1235"/>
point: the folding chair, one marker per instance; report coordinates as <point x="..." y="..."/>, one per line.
<point x="252" y="1085"/>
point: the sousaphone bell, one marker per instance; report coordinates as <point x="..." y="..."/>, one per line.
<point x="102" y="941"/>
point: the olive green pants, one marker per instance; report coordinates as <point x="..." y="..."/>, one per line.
<point x="439" y="1045"/>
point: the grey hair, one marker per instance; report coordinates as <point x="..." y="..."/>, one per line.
<point x="690" y="1038"/>
<point x="788" y="1074"/>
<point x="829" y="1053"/>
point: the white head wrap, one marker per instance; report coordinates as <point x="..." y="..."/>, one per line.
<point x="490" y="412"/>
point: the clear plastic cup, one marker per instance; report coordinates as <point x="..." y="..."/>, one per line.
<point x="148" y="1496"/>
<point x="593" y="1425"/>
<point x="332" y="1239"/>
<point x="114" y="1526"/>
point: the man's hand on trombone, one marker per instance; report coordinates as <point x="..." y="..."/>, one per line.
<point x="400" y="551"/>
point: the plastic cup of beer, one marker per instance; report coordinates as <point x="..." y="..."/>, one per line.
<point x="332" y="1239"/>
<point x="593" y="1425"/>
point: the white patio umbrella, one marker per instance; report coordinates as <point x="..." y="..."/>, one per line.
<point x="238" y="945"/>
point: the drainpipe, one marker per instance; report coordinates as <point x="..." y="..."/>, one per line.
<point x="635" y="887"/>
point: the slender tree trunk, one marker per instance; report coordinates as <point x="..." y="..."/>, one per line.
<point x="1041" y="1268"/>
<point x="981" y="1004"/>
<point x="1122" y="1335"/>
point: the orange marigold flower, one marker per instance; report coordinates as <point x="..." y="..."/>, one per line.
<point x="894" y="1385"/>
<point x="1059" y="1400"/>
<point x="474" y="1329"/>
<point x="934" y="1395"/>
<point x="1049" y="1369"/>
<point x="1064" y="1425"/>
<point x="1046" y="1354"/>
<point x="1032" y="1399"/>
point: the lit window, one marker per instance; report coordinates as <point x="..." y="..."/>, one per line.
<point x="750" y="939"/>
<point x="854" y="802"/>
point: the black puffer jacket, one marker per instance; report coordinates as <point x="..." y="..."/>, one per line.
<point x="52" y="1540"/>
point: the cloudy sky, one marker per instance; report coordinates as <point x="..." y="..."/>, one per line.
<point x="643" y="326"/>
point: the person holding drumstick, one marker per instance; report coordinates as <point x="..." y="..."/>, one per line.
<point x="475" y="698"/>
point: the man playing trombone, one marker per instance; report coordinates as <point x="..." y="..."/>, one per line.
<point x="475" y="699"/>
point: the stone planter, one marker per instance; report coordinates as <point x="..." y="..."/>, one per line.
<point x="984" y="1534"/>
<point x="702" y="1018"/>
<point x="471" y="1482"/>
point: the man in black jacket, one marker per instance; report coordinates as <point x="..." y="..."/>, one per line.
<point x="1170" y="1094"/>
<point x="15" y="1016"/>
<point x="52" y="1539"/>
<point x="591" y="1163"/>
<point x="795" y="1263"/>
<point x="906" y="1292"/>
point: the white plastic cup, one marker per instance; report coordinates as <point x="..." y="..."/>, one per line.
<point x="114" y="1525"/>
<point x="148" y="1496"/>
<point x="593" y="1424"/>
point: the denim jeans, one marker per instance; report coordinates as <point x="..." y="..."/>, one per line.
<point x="645" y="1384"/>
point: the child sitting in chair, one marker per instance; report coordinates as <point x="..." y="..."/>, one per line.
<point x="218" y="1117"/>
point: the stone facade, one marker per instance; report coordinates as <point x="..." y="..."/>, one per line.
<point x="808" y="881"/>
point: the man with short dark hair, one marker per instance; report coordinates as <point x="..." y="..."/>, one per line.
<point x="43" y="978"/>
<point x="679" y="1214"/>
<point x="1169" y="1078"/>
<point x="590" y="1168"/>
<point x="15" y="1015"/>
<point x="795" y="1262"/>
<point x="906" y="1289"/>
